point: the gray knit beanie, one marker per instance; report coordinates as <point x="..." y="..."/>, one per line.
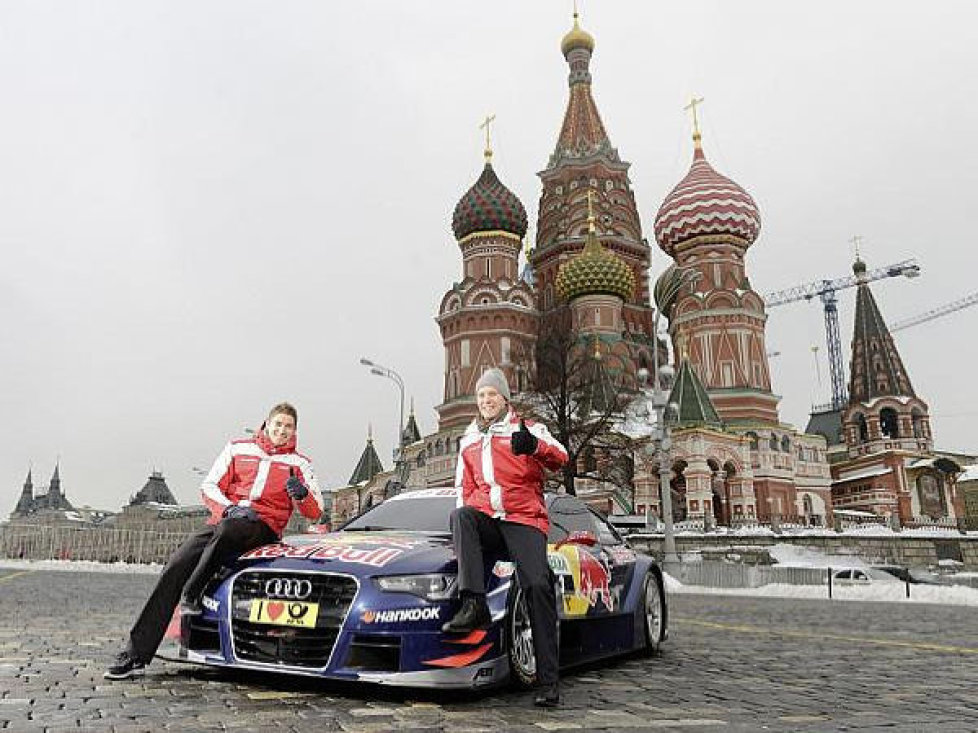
<point x="494" y="378"/>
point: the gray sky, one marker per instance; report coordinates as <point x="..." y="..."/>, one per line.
<point x="206" y="207"/>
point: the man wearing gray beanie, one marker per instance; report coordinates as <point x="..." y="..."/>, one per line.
<point x="500" y="479"/>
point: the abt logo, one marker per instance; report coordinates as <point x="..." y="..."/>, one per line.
<point x="401" y="615"/>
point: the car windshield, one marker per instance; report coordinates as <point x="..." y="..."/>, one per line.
<point x="418" y="514"/>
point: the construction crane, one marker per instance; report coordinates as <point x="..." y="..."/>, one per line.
<point x="939" y="312"/>
<point x="826" y="291"/>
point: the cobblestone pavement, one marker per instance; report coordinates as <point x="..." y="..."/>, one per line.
<point x="732" y="664"/>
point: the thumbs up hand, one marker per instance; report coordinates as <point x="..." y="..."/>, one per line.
<point x="524" y="443"/>
<point x="295" y="488"/>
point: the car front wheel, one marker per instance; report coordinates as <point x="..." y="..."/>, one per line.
<point x="519" y="640"/>
<point x="653" y="613"/>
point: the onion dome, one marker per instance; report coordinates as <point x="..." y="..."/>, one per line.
<point x="595" y="270"/>
<point x="706" y="203"/>
<point x="858" y="267"/>
<point x="664" y="292"/>
<point x="669" y="284"/>
<point x="488" y="206"/>
<point x="576" y="37"/>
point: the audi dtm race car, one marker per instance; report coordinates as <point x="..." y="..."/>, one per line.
<point x="367" y="603"/>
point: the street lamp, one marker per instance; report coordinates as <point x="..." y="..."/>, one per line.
<point x="382" y="371"/>
<point x="666" y="289"/>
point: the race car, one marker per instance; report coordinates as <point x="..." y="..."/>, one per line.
<point x="367" y="603"/>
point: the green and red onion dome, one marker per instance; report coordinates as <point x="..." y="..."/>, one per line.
<point x="489" y="206"/>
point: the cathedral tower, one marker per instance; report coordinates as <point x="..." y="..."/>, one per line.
<point x="584" y="160"/>
<point x="883" y="412"/>
<point x="487" y="319"/>
<point x="25" y="505"/>
<point x="706" y="224"/>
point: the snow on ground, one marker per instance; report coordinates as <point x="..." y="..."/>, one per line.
<point x="805" y="557"/>
<point x="787" y="555"/>
<point x="955" y="595"/>
<point x="80" y="566"/>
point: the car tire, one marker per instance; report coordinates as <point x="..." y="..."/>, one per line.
<point x="653" y="613"/>
<point x="519" y="639"/>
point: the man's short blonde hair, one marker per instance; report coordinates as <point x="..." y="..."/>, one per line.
<point x="284" y="408"/>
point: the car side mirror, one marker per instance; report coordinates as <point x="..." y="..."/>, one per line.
<point x="588" y="539"/>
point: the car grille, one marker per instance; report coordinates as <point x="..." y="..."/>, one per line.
<point x="290" y="646"/>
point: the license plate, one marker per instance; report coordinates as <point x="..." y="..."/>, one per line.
<point x="284" y="613"/>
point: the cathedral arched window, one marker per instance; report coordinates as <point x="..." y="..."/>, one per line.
<point x="754" y="443"/>
<point x="863" y="428"/>
<point x="773" y="442"/>
<point x="889" y="423"/>
<point x="918" y="424"/>
<point x="786" y="444"/>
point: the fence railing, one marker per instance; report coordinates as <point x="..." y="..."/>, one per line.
<point x="716" y="574"/>
<point x="132" y="545"/>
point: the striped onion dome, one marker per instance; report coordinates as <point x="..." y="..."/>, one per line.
<point x="488" y="206"/>
<point x="706" y="203"/>
<point x="595" y="270"/>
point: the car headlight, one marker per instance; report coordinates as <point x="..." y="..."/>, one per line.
<point x="434" y="587"/>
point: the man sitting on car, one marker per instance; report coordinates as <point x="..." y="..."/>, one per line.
<point x="500" y="479"/>
<point x="251" y="490"/>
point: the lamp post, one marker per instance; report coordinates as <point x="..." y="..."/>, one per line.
<point x="382" y="371"/>
<point x="665" y="291"/>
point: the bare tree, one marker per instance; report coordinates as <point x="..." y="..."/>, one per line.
<point x="580" y="400"/>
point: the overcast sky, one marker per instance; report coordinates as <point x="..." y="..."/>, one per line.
<point x="207" y="207"/>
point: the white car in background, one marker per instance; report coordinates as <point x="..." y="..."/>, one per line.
<point x="861" y="576"/>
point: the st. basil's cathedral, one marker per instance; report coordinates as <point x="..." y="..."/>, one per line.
<point x="732" y="458"/>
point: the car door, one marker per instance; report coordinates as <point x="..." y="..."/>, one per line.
<point x="577" y="559"/>
<point x="618" y="557"/>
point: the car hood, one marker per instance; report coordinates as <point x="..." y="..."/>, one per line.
<point x="385" y="552"/>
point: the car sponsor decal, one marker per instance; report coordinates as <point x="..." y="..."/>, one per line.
<point x="401" y="615"/>
<point x="503" y="569"/>
<point x="425" y="494"/>
<point x="620" y="555"/>
<point x="209" y="603"/>
<point x="585" y="581"/>
<point x="373" y="551"/>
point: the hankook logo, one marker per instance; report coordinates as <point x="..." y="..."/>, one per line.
<point x="292" y="589"/>
<point x="400" y="615"/>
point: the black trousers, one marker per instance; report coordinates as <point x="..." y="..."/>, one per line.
<point x="474" y="534"/>
<point x="187" y="573"/>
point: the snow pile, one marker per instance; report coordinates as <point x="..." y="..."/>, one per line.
<point x="81" y="566"/>
<point x="805" y="557"/>
<point x="954" y="595"/>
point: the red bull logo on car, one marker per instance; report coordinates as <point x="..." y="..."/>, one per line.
<point x="584" y="580"/>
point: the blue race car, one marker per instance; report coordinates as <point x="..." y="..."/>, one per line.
<point x="367" y="603"/>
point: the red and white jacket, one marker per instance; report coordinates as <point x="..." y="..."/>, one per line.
<point x="490" y="478"/>
<point x="253" y="472"/>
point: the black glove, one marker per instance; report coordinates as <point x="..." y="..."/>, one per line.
<point x="295" y="488"/>
<point x="240" y="512"/>
<point x="524" y="443"/>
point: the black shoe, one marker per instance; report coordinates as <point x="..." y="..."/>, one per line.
<point x="474" y="614"/>
<point x="548" y="697"/>
<point x="125" y="667"/>
<point x="191" y="607"/>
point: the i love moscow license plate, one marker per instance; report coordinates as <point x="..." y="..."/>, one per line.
<point x="284" y="613"/>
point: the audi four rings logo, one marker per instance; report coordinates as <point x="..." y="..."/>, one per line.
<point x="293" y="589"/>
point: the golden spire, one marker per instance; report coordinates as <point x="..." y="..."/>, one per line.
<point x="370" y="433"/>
<point x="694" y="102"/>
<point x="485" y="126"/>
<point x="576" y="37"/>
<point x="597" y="347"/>
<point x="683" y="343"/>
<point x="590" y="211"/>
<point x="528" y="243"/>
